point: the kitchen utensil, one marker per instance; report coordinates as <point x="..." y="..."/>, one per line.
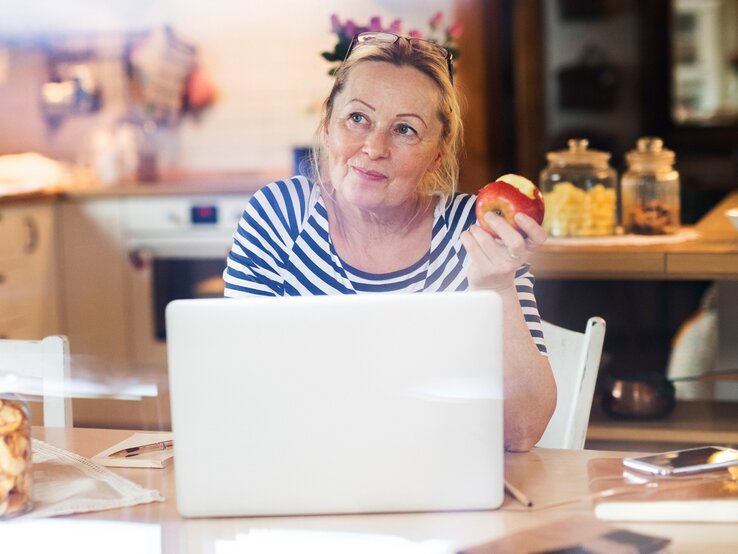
<point x="647" y="394"/>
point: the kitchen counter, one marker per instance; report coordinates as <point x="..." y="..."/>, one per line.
<point x="170" y="184"/>
<point x="692" y="423"/>
<point x="714" y="255"/>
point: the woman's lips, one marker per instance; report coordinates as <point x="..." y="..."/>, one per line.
<point x="370" y="174"/>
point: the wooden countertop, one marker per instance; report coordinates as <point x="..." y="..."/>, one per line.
<point x="696" y="422"/>
<point x="712" y="256"/>
<point x="175" y="183"/>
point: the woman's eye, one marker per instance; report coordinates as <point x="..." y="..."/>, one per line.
<point x="405" y="129"/>
<point x="357" y="117"/>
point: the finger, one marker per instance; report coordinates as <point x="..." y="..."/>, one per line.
<point x="535" y="233"/>
<point x="471" y="241"/>
<point x="470" y="244"/>
<point x="489" y="249"/>
<point x="509" y="236"/>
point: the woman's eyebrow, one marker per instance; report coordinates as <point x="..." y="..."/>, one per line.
<point x="413" y="115"/>
<point x="409" y="114"/>
<point x="362" y="102"/>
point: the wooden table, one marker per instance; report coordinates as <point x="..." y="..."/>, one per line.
<point x="546" y="475"/>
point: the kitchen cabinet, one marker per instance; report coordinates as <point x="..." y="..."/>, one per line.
<point x="96" y="313"/>
<point x="28" y="270"/>
<point x="92" y="268"/>
<point x="125" y="256"/>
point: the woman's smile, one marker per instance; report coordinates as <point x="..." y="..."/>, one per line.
<point x="369" y="174"/>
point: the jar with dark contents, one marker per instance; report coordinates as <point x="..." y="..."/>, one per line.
<point x="649" y="190"/>
<point x="15" y="457"/>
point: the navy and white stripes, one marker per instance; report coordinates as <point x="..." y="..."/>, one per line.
<point x="282" y="248"/>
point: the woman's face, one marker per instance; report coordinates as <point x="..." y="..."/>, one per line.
<point x="383" y="136"/>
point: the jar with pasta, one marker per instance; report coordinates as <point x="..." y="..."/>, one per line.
<point x="15" y="457"/>
<point x="580" y="191"/>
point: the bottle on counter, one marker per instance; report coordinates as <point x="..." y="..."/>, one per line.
<point x="580" y="191"/>
<point x="650" y="190"/>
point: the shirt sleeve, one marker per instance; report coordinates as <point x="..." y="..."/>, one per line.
<point x="524" y="281"/>
<point x="261" y="244"/>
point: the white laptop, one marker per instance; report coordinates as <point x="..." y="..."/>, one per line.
<point x="336" y="404"/>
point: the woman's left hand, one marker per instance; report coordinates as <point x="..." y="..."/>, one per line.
<point x="494" y="260"/>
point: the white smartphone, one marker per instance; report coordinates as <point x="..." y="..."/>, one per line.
<point x="691" y="460"/>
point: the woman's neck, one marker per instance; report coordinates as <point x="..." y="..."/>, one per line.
<point x="381" y="242"/>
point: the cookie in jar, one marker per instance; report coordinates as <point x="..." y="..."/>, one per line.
<point x="650" y="190"/>
<point x="15" y="457"/>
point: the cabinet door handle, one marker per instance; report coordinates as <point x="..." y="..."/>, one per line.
<point x="32" y="228"/>
<point x="141" y="258"/>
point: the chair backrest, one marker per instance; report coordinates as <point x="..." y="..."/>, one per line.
<point x="47" y="361"/>
<point x="575" y="359"/>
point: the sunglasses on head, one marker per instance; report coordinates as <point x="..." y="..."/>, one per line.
<point x="391" y="38"/>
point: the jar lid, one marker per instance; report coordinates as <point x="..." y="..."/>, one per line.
<point x="650" y="150"/>
<point x="578" y="154"/>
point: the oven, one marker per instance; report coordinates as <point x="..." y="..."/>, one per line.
<point x="177" y="248"/>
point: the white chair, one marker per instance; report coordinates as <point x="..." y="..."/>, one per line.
<point x="25" y="363"/>
<point x="575" y="359"/>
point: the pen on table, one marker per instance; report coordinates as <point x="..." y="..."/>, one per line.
<point x="136" y="450"/>
<point x="518" y="495"/>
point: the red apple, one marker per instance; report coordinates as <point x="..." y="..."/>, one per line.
<point x="507" y="196"/>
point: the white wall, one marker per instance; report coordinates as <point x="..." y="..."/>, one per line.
<point x="263" y="55"/>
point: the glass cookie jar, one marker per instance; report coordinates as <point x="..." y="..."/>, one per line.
<point x="650" y="190"/>
<point x="580" y="191"/>
<point x="15" y="457"/>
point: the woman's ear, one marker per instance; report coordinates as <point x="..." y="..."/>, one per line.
<point x="437" y="161"/>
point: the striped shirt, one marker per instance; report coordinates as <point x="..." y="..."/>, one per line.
<point x="282" y="247"/>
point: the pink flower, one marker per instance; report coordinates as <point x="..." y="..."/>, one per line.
<point x="350" y="28"/>
<point x="436" y="20"/>
<point x="335" y="24"/>
<point x="375" y="24"/>
<point x="395" y="27"/>
<point x="415" y="34"/>
<point x="456" y="30"/>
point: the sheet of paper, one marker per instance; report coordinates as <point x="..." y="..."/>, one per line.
<point x="155" y="459"/>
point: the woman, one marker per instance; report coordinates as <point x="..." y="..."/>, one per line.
<point x="380" y="214"/>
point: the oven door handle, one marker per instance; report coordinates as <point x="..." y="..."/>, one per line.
<point x="141" y="258"/>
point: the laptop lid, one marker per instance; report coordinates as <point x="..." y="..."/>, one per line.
<point x="336" y="404"/>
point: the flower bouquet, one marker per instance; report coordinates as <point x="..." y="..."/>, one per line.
<point x="444" y="36"/>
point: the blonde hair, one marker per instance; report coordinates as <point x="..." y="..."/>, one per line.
<point x="426" y="59"/>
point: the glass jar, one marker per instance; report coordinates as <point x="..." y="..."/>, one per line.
<point x="15" y="456"/>
<point x="650" y="190"/>
<point x="580" y="191"/>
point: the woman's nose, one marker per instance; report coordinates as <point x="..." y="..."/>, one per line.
<point x="376" y="144"/>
